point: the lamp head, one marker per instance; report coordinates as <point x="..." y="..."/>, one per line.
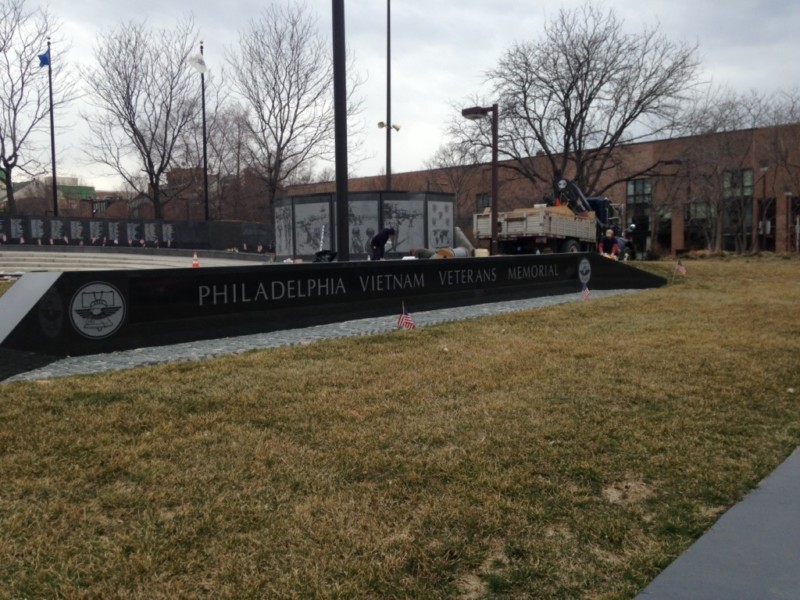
<point x="475" y="112"/>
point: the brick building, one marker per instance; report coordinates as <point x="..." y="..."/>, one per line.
<point x="35" y="198"/>
<point x="230" y="198"/>
<point x="737" y="191"/>
<point x="698" y="192"/>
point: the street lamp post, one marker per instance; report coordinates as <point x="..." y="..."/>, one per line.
<point x="388" y="125"/>
<point x="388" y="94"/>
<point x="478" y="112"/>
<point x="389" y="128"/>
<point x="340" y="130"/>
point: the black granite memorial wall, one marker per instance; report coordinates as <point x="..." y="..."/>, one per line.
<point x="133" y="233"/>
<point x="77" y="313"/>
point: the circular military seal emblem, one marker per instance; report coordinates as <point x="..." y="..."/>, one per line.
<point x="97" y="310"/>
<point x="584" y="271"/>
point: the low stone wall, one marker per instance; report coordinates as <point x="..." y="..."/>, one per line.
<point x="214" y="235"/>
<point x="78" y="313"/>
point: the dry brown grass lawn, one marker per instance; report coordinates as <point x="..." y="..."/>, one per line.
<point x="570" y="452"/>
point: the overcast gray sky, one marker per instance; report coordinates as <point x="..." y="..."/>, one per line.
<point x="441" y="50"/>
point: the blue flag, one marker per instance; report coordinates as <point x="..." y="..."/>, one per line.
<point x="44" y="59"/>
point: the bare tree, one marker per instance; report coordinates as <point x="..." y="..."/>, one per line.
<point x="236" y="191"/>
<point x="24" y="93"/>
<point x="227" y="150"/>
<point x="784" y="155"/>
<point x="453" y="167"/>
<point x="714" y="180"/>
<point x="147" y="95"/>
<point x="283" y="71"/>
<point x="583" y="90"/>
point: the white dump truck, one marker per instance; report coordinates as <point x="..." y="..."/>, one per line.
<point x="571" y="223"/>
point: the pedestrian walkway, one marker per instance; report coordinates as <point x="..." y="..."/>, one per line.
<point x="751" y="553"/>
<point x="15" y="262"/>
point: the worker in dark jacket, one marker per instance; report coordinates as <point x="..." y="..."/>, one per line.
<point x="378" y="243"/>
<point x="608" y="245"/>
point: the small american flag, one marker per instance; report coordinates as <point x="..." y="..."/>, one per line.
<point x="404" y="321"/>
<point x="585" y="293"/>
<point x="680" y="268"/>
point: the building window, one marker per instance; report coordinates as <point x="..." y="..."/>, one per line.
<point x="738" y="183"/>
<point x="638" y="201"/>
<point x="701" y="211"/>
<point x="483" y="201"/>
<point x="640" y="191"/>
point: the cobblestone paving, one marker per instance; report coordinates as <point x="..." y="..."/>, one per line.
<point x="201" y="350"/>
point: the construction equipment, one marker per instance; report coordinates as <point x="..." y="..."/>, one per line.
<point x="569" y="223"/>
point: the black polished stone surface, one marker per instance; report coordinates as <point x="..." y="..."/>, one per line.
<point x="77" y="313"/>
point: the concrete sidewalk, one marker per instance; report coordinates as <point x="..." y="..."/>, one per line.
<point x="16" y="262"/>
<point x="751" y="553"/>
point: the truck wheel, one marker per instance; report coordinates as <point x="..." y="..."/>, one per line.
<point x="570" y="246"/>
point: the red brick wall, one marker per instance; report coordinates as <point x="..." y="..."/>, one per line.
<point x="778" y="146"/>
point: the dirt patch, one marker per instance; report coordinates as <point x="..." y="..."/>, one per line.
<point x="473" y="585"/>
<point x="628" y="492"/>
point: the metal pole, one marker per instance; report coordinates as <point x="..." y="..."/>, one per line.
<point x="763" y="208"/>
<point x="495" y="186"/>
<point x="340" y="127"/>
<point x="388" y="94"/>
<point x="759" y="206"/>
<point x="205" y="143"/>
<point x="52" y="128"/>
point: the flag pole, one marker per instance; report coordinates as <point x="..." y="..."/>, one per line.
<point x="52" y="128"/>
<point x="205" y="137"/>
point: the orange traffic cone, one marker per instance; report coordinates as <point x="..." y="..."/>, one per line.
<point x="195" y="262"/>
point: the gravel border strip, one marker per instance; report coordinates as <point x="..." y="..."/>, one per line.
<point x="205" y="349"/>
